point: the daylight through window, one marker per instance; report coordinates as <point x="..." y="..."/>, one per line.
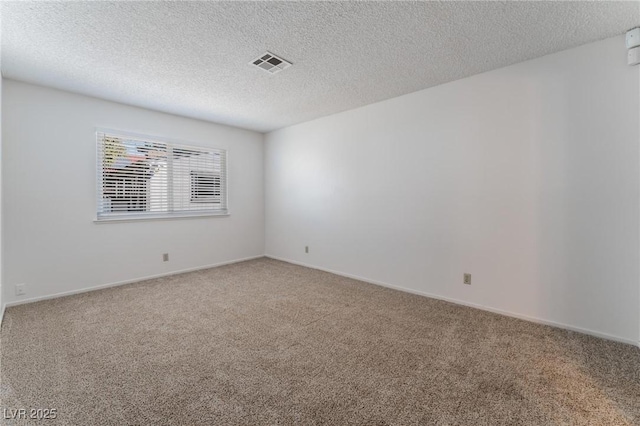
<point x="139" y="177"/>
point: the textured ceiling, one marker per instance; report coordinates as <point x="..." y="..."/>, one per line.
<point x="192" y="58"/>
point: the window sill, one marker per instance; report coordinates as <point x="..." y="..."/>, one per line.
<point x="159" y="217"/>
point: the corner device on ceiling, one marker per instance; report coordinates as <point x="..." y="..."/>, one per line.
<point x="271" y="63"/>
<point x="633" y="56"/>
<point x="632" y="40"/>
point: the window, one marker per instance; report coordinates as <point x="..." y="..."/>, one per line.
<point x="139" y="177"/>
<point x="205" y="187"/>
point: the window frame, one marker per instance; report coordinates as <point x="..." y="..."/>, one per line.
<point x="145" y="216"/>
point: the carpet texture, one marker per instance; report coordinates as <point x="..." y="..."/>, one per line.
<point x="267" y="342"/>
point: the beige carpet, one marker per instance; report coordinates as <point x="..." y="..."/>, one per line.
<point x="266" y="342"/>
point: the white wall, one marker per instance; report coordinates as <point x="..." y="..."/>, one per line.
<point x="2" y="301"/>
<point x="526" y="177"/>
<point x="50" y="240"/>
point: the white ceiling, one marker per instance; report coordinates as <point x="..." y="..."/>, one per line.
<point x="192" y="58"/>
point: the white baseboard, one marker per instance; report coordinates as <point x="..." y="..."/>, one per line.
<point x="119" y="283"/>
<point x="356" y="277"/>
<point x="465" y="303"/>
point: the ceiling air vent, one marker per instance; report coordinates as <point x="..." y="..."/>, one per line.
<point x="270" y="63"/>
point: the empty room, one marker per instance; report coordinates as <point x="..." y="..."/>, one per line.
<point x="334" y="212"/>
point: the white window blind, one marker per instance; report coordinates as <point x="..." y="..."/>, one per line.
<point x="139" y="177"/>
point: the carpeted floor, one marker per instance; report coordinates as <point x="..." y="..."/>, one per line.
<point x="266" y="342"/>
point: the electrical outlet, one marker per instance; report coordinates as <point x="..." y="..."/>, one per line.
<point x="21" y="290"/>
<point x="165" y="257"/>
<point x="467" y="279"/>
<point x="306" y="249"/>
